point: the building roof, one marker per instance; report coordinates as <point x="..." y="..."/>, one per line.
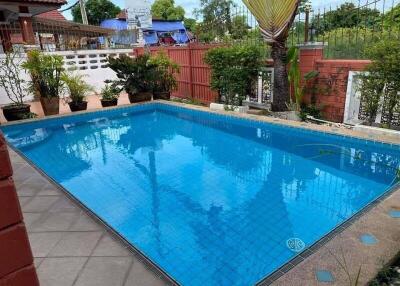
<point x="57" y="2"/>
<point x="54" y="15"/>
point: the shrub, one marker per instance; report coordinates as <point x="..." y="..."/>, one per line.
<point x="10" y="78"/>
<point x="234" y="70"/>
<point x="76" y="86"/>
<point x="166" y="70"/>
<point x="134" y="74"/>
<point x="380" y="86"/>
<point x="109" y="92"/>
<point x="45" y="71"/>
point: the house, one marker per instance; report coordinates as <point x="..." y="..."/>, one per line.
<point x="37" y="23"/>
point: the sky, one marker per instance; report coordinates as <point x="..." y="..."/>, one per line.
<point x="189" y="5"/>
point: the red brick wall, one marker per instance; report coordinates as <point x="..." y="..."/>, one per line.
<point x="331" y="81"/>
<point x="16" y="260"/>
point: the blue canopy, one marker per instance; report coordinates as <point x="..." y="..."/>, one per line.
<point x="175" y="28"/>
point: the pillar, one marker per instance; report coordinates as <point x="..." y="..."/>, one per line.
<point x="25" y="21"/>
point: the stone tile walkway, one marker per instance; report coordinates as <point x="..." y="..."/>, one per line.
<point x="69" y="246"/>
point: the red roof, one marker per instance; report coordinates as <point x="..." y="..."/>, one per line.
<point x="58" y="2"/>
<point x="54" y="15"/>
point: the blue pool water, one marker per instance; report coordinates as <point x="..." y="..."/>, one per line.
<point x="212" y="200"/>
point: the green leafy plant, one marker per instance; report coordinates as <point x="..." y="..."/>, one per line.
<point x="45" y="71"/>
<point x="380" y="86"/>
<point x="294" y="77"/>
<point x="134" y="74"/>
<point x="234" y="70"/>
<point x="166" y="69"/>
<point x="109" y="92"/>
<point x="76" y="87"/>
<point x="14" y="85"/>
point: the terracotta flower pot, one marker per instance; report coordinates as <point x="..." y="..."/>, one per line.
<point x="51" y="106"/>
<point x="140" y="96"/>
<point x="109" y="102"/>
<point x="16" y="112"/>
<point x="166" y="95"/>
<point x="77" y="106"/>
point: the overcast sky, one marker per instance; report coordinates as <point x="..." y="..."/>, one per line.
<point x="189" y="5"/>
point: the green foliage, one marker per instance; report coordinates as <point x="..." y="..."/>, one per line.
<point x="166" y="70"/>
<point x="382" y="79"/>
<point x="10" y="78"/>
<point x="216" y="16"/>
<point x="45" y="71"/>
<point x="134" y="74"/>
<point x="188" y="100"/>
<point x="347" y="15"/>
<point x="190" y="24"/>
<point x="240" y="27"/>
<point x="76" y="86"/>
<point x="234" y="70"/>
<point x="349" y="43"/>
<point x="96" y="11"/>
<point x="109" y="92"/>
<point x="391" y="19"/>
<point x="166" y="10"/>
<point x="294" y="76"/>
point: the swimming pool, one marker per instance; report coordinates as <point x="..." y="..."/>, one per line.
<point x="210" y="199"/>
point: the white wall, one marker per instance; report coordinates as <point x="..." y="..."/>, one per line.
<point x="91" y="63"/>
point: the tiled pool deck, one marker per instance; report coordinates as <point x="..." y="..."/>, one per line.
<point x="72" y="248"/>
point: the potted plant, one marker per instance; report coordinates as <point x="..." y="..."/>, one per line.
<point x="46" y="83"/>
<point x="165" y="80"/>
<point x="15" y="87"/>
<point x="109" y="95"/>
<point x="135" y="75"/>
<point x="77" y="89"/>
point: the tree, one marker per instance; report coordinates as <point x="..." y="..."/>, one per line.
<point x="97" y="11"/>
<point x="190" y="24"/>
<point x="166" y="10"/>
<point x="274" y="24"/>
<point x="346" y="16"/>
<point x="216" y="15"/>
<point x="240" y="27"/>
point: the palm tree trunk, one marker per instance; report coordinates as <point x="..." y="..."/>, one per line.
<point x="281" y="94"/>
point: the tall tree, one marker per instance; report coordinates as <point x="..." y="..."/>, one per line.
<point x="166" y="10"/>
<point x="216" y="16"/>
<point x="190" y="24"/>
<point x="96" y="10"/>
<point x="240" y="27"/>
<point x="275" y="18"/>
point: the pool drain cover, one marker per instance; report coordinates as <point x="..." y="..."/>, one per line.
<point x="295" y="244"/>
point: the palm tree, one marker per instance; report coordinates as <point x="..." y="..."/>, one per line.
<point x="275" y="18"/>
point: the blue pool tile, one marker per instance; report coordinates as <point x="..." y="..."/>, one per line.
<point x="368" y="239"/>
<point x="394" y="213"/>
<point x="324" y="276"/>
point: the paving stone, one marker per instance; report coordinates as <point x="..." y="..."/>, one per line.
<point x="105" y="271"/>
<point x="76" y="244"/>
<point x="85" y="223"/>
<point x="64" y="204"/>
<point x="43" y="242"/>
<point x="60" y="271"/>
<point x="140" y="275"/>
<point x="30" y="218"/>
<point x="23" y="200"/>
<point x="54" y="222"/>
<point x="110" y="246"/>
<point x="49" y="190"/>
<point x="28" y="190"/>
<point x="40" y="204"/>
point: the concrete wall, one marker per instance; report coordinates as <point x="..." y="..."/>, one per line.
<point x="91" y="63"/>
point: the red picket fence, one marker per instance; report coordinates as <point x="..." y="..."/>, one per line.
<point x="194" y="77"/>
